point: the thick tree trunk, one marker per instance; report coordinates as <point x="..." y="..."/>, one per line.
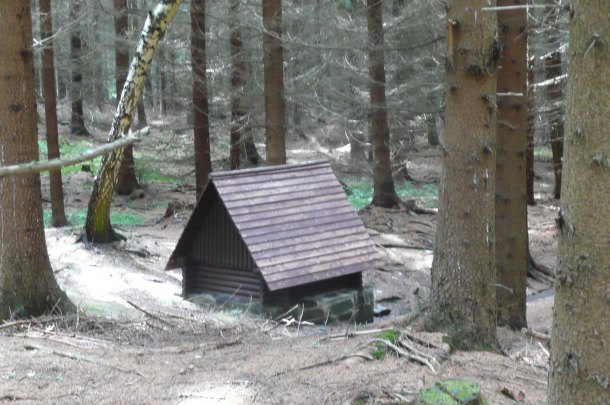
<point x="201" y="125"/>
<point x="77" y="121"/>
<point x="275" y="120"/>
<point x="27" y="283"/>
<point x="580" y="349"/>
<point x="384" y="193"/>
<point x="58" y="215"/>
<point x="127" y="181"/>
<point x="97" y="224"/>
<point x="511" y="196"/>
<point x="531" y="103"/>
<point x="463" y="291"/>
<point x="238" y="115"/>
<point x="552" y="66"/>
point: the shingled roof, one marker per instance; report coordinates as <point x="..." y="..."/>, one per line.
<point x="295" y="221"/>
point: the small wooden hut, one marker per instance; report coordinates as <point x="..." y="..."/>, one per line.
<point x="273" y="235"/>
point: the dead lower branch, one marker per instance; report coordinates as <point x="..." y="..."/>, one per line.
<point x="37" y="167"/>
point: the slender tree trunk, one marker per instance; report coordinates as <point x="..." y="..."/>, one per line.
<point x="238" y="115"/>
<point x="127" y="181"/>
<point x="511" y="196"/>
<point x="531" y="103"/>
<point x="580" y="344"/>
<point x="275" y="119"/>
<point x="384" y="193"/>
<point x="58" y="215"/>
<point x="97" y="224"/>
<point x="552" y="66"/>
<point x="463" y="291"/>
<point x="77" y="121"/>
<point x="27" y="283"/>
<point x="432" y="131"/>
<point x="203" y="162"/>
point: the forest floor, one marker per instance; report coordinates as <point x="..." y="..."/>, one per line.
<point x="135" y="340"/>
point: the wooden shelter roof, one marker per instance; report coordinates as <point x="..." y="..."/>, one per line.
<point x="295" y="220"/>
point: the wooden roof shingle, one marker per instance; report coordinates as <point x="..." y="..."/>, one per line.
<point x="295" y="220"/>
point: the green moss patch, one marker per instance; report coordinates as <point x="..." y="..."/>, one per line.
<point x="391" y="336"/>
<point x="452" y="392"/>
<point x="77" y="218"/>
<point x="360" y="192"/>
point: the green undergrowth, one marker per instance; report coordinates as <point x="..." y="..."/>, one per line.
<point x="360" y="192"/>
<point x="543" y="152"/>
<point x="77" y="218"/>
<point x="391" y="336"/>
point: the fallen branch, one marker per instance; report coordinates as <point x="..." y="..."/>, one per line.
<point x="151" y="315"/>
<point x="346" y="334"/>
<point x="404" y="353"/>
<point x="78" y="357"/>
<point x="538" y="335"/>
<point x="37" y="167"/>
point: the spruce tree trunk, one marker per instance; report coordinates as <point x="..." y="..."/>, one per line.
<point x="27" y="283"/>
<point x="201" y="125"/>
<point x="463" y="291"/>
<point x="58" y="215"/>
<point x="77" y="121"/>
<point x="384" y="193"/>
<point x="275" y="120"/>
<point x="97" y="224"/>
<point x="238" y="115"/>
<point x="552" y="67"/>
<point x="580" y="344"/>
<point x="127" y="181"/>
<point x="511" y="196"/>
<point x="531" y="103"/>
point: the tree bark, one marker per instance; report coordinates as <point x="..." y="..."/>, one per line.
<point x="58" y="215"/>
<point x="552" y="66"/>
<point x="580" y="349"/>
<point x="511" y="196"/>
<point x="77" y="121"/>
<point x="463" y="291"/>
<point x="238" y="115"/>
<point x="127" y="181"/>
<point x="97" y="224"/>
<point x="531" y="103"/>
<point x="384" y="193"/>
<point x="27" y="283"/>
<point x="273" y="58"/>
<point x="201" y="125"/>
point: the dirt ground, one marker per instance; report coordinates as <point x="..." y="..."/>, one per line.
<point x="136" y="341"/>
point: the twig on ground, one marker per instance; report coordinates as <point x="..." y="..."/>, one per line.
<point x="151" y="315"/>
<point x="78" y="357"/>
<point x="325" y="363"/>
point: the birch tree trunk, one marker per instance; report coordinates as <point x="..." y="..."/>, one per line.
<point x="275" y="119"/>
<point x="201" y="124"/>
<point x="463" y="291"/>
<point x="580" y="343"/>
<point x="27" y="283"/>
<point x="58" y="214"/>
<point x="384" y="193"/>
<point x="127" y="181"/>
<point x="511" y="197"/>
<point x="97" y="225"/>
